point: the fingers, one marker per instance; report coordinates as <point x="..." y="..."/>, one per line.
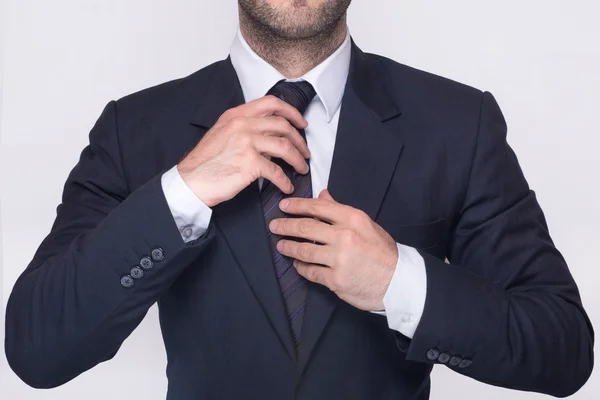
<point x="307" y="228"/>
<point x="279" y="126"/>
<point x="272" y="126"/>
<point x="273" y="172"/>
<point x="270" y="105"/>
<point x="308" y="252"/>
<point x="282" y="148"/>
<point x="324" y="209"/>
<point x="314" y="273"/>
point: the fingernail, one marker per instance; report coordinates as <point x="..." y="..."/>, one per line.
<point x="274" y="224"/>
<point x="295" y="262"/>
<point x="284" y="203"/>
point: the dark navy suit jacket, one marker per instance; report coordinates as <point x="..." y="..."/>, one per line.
<point x="423" y="156"/>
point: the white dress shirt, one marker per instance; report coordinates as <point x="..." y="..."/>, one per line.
<point x="405" y="297"/>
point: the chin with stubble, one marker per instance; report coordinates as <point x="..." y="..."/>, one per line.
<point x="294" y="19"/>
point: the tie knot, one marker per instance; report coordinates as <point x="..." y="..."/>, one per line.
<point x="298" y="94"/>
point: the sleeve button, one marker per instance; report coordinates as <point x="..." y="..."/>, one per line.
<point x="444" y="358"/>
<point x="136" y="272"/>
<point x="158" y="254"/>
<point x="433" y="354"/>
<point x="455" y="361"/>
<point x="465" y="363"/>
<point x="126" y="281"/>
<point x="146" y="263"/>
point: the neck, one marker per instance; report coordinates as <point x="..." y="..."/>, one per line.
<point x="293" y="58"/>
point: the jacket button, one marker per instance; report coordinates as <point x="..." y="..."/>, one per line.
<point x="126" y="281"/>
<point x="158" y="254"/>
<point x="444" y="358"/>
<point x="465" y="363"/>
<point x="146" y="263"/>
<point x="433" y="354"/>
<point x="136" y="272"/>
<point x="454" y="361"/>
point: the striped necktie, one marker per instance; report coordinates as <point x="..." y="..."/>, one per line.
<point x="293" y="286"/>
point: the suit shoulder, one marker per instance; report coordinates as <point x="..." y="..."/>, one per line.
<point x="443" y="108"/>
<point x="174" y="93"/>
<point x="428" y="92"/>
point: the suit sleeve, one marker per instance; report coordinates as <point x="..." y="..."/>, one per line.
<point x="506" y="310"/>
<point x="83" y="294"/>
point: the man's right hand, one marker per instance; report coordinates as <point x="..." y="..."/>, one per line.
<point x="237" y="149"/>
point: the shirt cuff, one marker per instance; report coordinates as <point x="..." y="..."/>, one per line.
<point x="191" y="215"/>
<point x="404" y="299"/>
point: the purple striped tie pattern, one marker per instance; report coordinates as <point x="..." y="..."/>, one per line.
<point x="293" y="286"/>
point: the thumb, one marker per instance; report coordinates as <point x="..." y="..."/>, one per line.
<point x="325" y="195"/>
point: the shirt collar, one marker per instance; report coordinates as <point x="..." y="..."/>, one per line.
<point x="257" y="76"/>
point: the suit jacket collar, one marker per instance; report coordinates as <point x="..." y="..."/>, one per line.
<point x="367" y="79"/>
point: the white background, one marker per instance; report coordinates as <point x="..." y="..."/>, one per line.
<point x="63" y="60"/>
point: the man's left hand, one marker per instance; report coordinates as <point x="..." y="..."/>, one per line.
<point x="357" y="257"/>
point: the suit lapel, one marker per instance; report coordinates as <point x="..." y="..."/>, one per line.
<point x="365" y="156"/>
<point x="241" y="219"/>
